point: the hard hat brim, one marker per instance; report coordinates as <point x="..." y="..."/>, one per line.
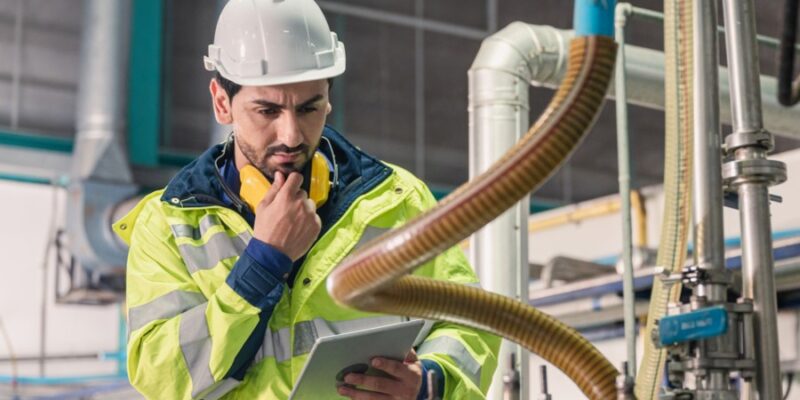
<point x="284" y="79"/>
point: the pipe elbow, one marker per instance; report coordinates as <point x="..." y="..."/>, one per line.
<point x="532" y="53"/>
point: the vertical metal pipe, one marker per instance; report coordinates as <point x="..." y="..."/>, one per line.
<point x="498" y="117"/>
<point x="707" y="162"/>
<point x="419" y="92"/>
<point x="707" y="165"/>
<point x="491" y="16"/>
<point x="757" y="263"/>
<point x="759" y="284"/>
<point x="16" y="74"/>
<point x="745" y="87"/>
<point x="101" y="101"/>
<point x="624" y="164"/>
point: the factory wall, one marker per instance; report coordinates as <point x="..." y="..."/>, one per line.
<point x="30" y="214"/>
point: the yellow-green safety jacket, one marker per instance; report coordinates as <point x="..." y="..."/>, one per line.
<point x="194" y="334"/>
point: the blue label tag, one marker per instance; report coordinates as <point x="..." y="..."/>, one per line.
<point x="700" y="324"/>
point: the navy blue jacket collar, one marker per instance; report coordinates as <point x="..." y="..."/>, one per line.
<point x="200" y="184"/>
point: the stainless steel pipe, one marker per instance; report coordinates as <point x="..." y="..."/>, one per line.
<point x="622" y="12"/>
<point x="707" y="165"/>
<point x="751" y="174"/>
<point x="707" y="157"/>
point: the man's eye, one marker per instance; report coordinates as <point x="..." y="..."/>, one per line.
<point x="307" y="110"/>
<point x="269" y="111"/>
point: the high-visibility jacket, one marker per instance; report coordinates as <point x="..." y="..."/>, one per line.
<point x="193" y="335"/>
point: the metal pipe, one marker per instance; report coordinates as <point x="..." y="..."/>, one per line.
<point x="707" y="158"/>
<point x="419" y="92"/>
<point x="16" y="80"/>
<point x="707" y="170"/>
<point x="759" y="284"/>
<point x="622" y="12"/>
<point x="757" y="262"/>
<point x="100" y="176"/>
<point x="644" y="71"/>
<point x="498" y="118"/>
<point x="744" y="72"/>
<point x="53" y="357"/>
<point x="593" y="210"/>
<point x="491" y="16"/>
<point x="100" y="116"/>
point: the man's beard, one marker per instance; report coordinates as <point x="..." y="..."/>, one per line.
<point x="260" y="159"/>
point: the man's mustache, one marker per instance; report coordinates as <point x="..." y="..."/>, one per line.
<point x="282" y="148"/>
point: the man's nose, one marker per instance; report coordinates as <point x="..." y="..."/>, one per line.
<point x="289" y="132"/>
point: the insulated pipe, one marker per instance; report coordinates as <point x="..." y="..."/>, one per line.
<point x="644" y="71"/>
<point x="100" y="114"/>
<point x="100" y="176"/>
<point x="498" y="117"/>
<point x="375" y="278"/>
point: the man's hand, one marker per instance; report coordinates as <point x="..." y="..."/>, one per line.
<point x="286" y="218"/>
<point x="404" y="381"/>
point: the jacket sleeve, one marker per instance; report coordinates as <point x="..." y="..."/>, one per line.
<point x="467" y="356"/>
<point x="184" y="344"/>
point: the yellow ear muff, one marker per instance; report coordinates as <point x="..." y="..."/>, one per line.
<point x="320" y="184"/>
<point x="254" y="185"/>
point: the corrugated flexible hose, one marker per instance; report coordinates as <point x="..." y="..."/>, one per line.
<point x="375" y="278"/>
<point x="678" y="117"/>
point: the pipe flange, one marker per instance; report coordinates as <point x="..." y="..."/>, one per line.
<point x="760" y="138"/>
<point x="736" y="172"/>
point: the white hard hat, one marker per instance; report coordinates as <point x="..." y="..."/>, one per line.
<point x="274" y="42"/>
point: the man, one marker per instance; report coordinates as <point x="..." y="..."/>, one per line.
<point x="225" y="300"/>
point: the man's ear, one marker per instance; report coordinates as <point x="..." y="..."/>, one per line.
<point x="221" y="103"/>
<point x="328" y="108"/>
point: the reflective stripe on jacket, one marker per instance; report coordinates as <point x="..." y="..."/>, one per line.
<point x="187" y="325"/>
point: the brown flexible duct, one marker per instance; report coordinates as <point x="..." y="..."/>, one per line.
<point x="373" y="279"/>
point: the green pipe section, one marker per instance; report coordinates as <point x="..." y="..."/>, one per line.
<point x="34" y="141"/>
<point x="145" y="100"/>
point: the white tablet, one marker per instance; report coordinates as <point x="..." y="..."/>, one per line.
<point x="333" y="357"/>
